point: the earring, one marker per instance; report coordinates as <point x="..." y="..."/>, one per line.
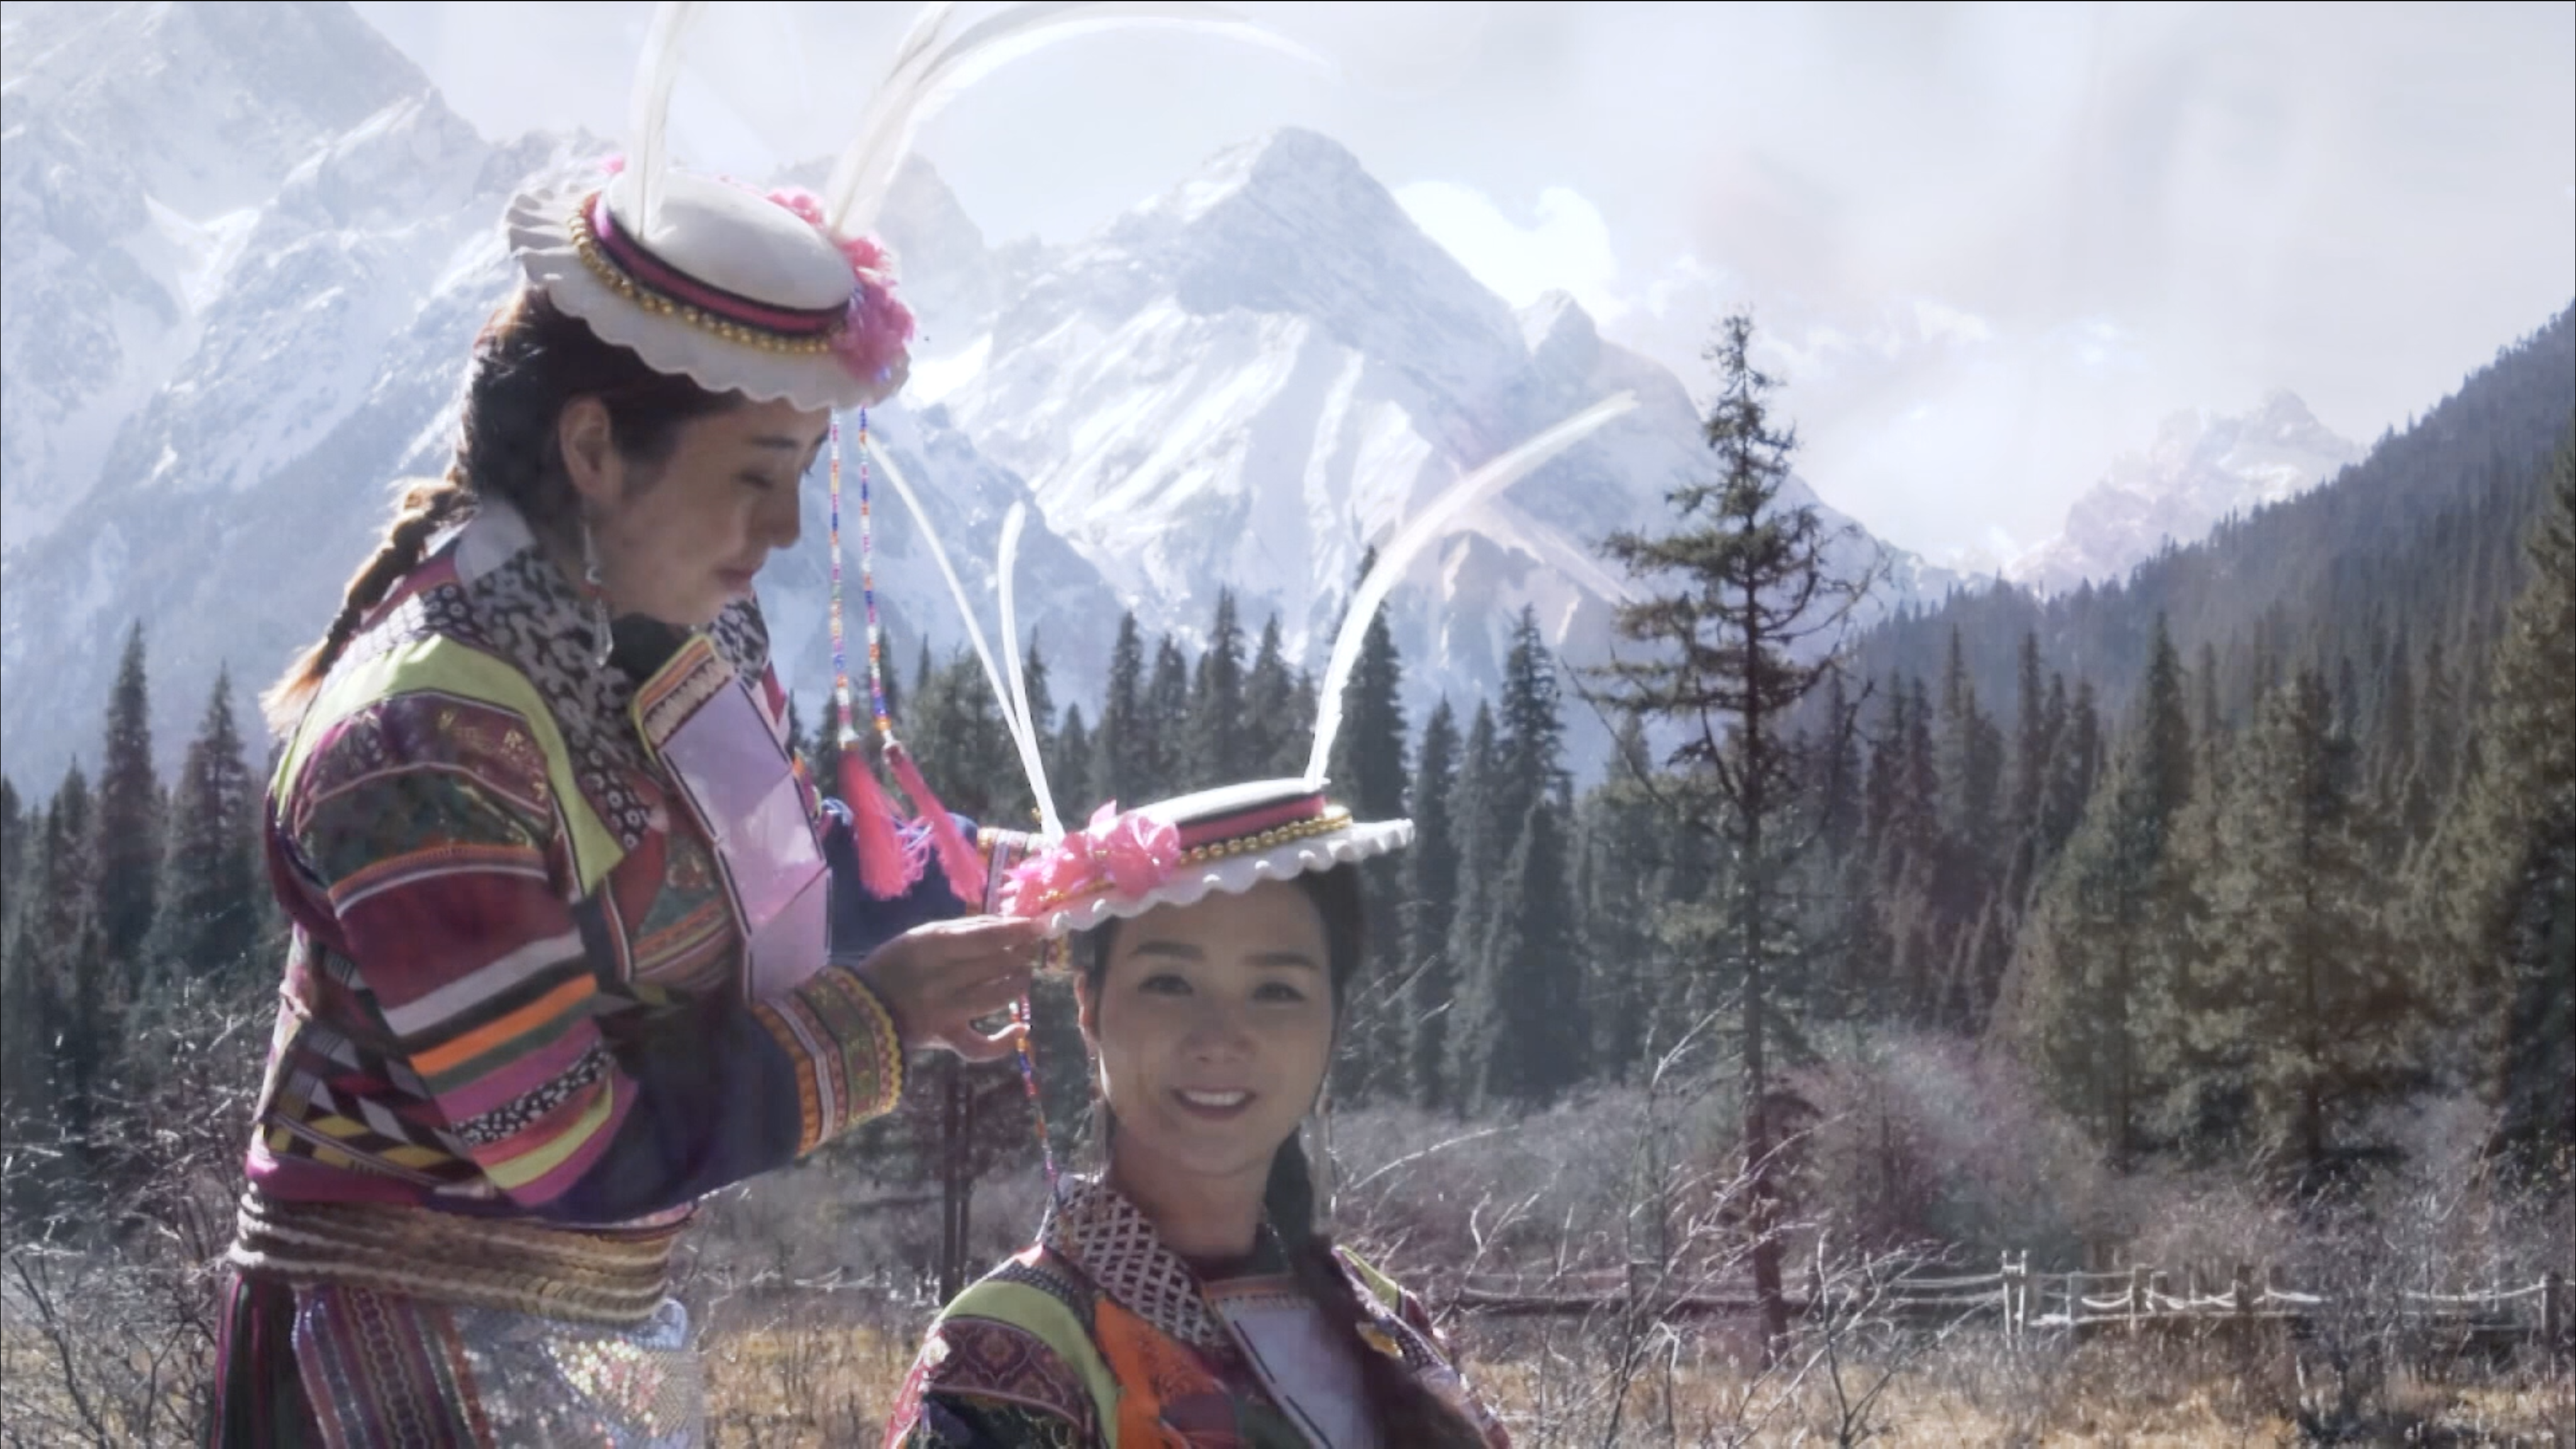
<point x="603" y="639"/>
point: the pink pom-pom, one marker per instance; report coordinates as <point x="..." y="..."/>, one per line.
<point x="867" y="255"/>
<point x="958" y="859"/>
<point x="800" y="201"/>
<point x="873" y="335"/>
<point x="886" y="869"/>
<point x="613" y="165"/>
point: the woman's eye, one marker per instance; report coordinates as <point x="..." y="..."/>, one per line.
<point x="758" y="483"/>
<point x="1164" y="983"/>
<point x="1278" y="991"/>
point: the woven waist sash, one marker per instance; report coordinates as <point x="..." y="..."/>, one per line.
<point x="611" y="1277"/>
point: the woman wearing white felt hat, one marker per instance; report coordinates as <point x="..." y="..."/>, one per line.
<point x="574" y="941"/>
<point x="1189" y="1295"/>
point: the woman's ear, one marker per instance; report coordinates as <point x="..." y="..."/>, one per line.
<point x="588" y="442"/>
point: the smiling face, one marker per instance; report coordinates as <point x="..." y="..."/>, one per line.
<point x="1213" y="1025"/>
<point x="681" y="536"/>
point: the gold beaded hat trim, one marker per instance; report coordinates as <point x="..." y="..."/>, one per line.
<point x="1175" y="852"/>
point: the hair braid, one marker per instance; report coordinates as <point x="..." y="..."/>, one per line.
<point x="1406" y="1412"/>
<point x="425" y="505"/>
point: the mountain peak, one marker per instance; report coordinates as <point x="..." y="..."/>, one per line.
<point x="2200" y="469"/>
<point x="1286" y="168"/>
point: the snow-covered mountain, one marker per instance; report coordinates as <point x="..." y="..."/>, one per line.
<point x="2199" y="470"/>
<point x="239" y="301"/>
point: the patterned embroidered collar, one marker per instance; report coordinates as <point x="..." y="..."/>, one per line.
<point x="501" y="593"/>
<point x="1111" y="1241"/>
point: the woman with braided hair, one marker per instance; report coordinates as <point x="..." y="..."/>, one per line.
<point x="574" y="941"/>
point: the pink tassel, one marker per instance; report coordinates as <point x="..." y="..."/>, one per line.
<point x="884" y="865"/>
<point x="958" y="858"/>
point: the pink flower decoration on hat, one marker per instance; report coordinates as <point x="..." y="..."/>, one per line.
<point x="1130" y="854"/>
<point x="878" y="328"/>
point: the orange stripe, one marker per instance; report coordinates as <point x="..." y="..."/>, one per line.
<point x="526" y="1019"/>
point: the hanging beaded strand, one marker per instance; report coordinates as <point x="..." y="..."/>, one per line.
<point x="1027" y="1061"/>
<point x="868" y="593"/>
<point x="840" y="721"/>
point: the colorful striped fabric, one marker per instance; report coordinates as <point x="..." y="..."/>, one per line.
<point x="514" y="979"/>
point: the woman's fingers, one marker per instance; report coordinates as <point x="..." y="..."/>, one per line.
<point x="938" y="978"/>
<point x="978" y="1046"/>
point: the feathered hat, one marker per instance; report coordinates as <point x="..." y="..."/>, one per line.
<point x="1124" y="863"/>
<point x="779" y="294"/>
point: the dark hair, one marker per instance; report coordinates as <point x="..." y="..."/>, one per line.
<point x="1405" y="1411"/>
<point x="530" y="360"/>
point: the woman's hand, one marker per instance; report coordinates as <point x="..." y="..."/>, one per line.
<point x="939" y="979"/>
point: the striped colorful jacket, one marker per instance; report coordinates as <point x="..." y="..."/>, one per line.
<point x="515" y="983"/>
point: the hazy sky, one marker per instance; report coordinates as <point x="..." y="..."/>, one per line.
<point x="1990" y="246"/>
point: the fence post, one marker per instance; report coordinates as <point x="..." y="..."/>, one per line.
<point x="2011" y="1329"/>
<point x="2074" y="1305"/>
<point x="2242" y="1290"/>
<point x="2137" y="1294"/>
<point x="2553" y="1313"/>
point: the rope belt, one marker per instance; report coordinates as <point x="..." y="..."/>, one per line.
<point x="611" y="1277"/>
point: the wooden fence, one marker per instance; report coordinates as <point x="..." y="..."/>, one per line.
<point x="2134" y="1301"/>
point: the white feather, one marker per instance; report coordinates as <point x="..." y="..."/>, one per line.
<point x="1024" y="730"/>
<point x="1420" y="530"/>
<point x="929" y="72"/>
<point x="648" y="117"/>
<point x="939" y="555"/>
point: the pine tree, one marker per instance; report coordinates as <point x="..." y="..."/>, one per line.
<point x="1840" y="774"/>
<point x="2075" y="767"/>
<point x="28" y="1009"/>
<point x="1533" y="730"/>
<point x="1275" y="737"/>
<point x="1430" y="904"/>
<point x="1368" y="755"/>
<point x="1529" y="1019"/>
<point x="1971" y="754"/>
<point x="2500" y="887"/>
<point x="13" y="847"/>
<point x="1616" y="890"/>
<point x="127" y="851"/>
<point x="2113" y="924"/>
<point x="1747" y="585"/>
<point x="1122" y="753"/>
<point x="209" y="916"/>
<point x="1070" y="774"/>
<point x="2303" y="970"/>
<point x="2435" y="775"/>
<point x="955" y="733"/>
<point x="1367" y="765"/>
<point x="1041" y="699"/>
<point x="65" y="965"/>
<point x="1167" y="717"/>
<point x="2392" y="743"/>
<point x="2034" y="735"/>
<point x="1216" y="740"/>
<point x="1481" y="846"/>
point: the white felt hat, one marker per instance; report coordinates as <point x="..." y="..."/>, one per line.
<point x="1175" y="852"/>
<point x="738" y="291"/>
